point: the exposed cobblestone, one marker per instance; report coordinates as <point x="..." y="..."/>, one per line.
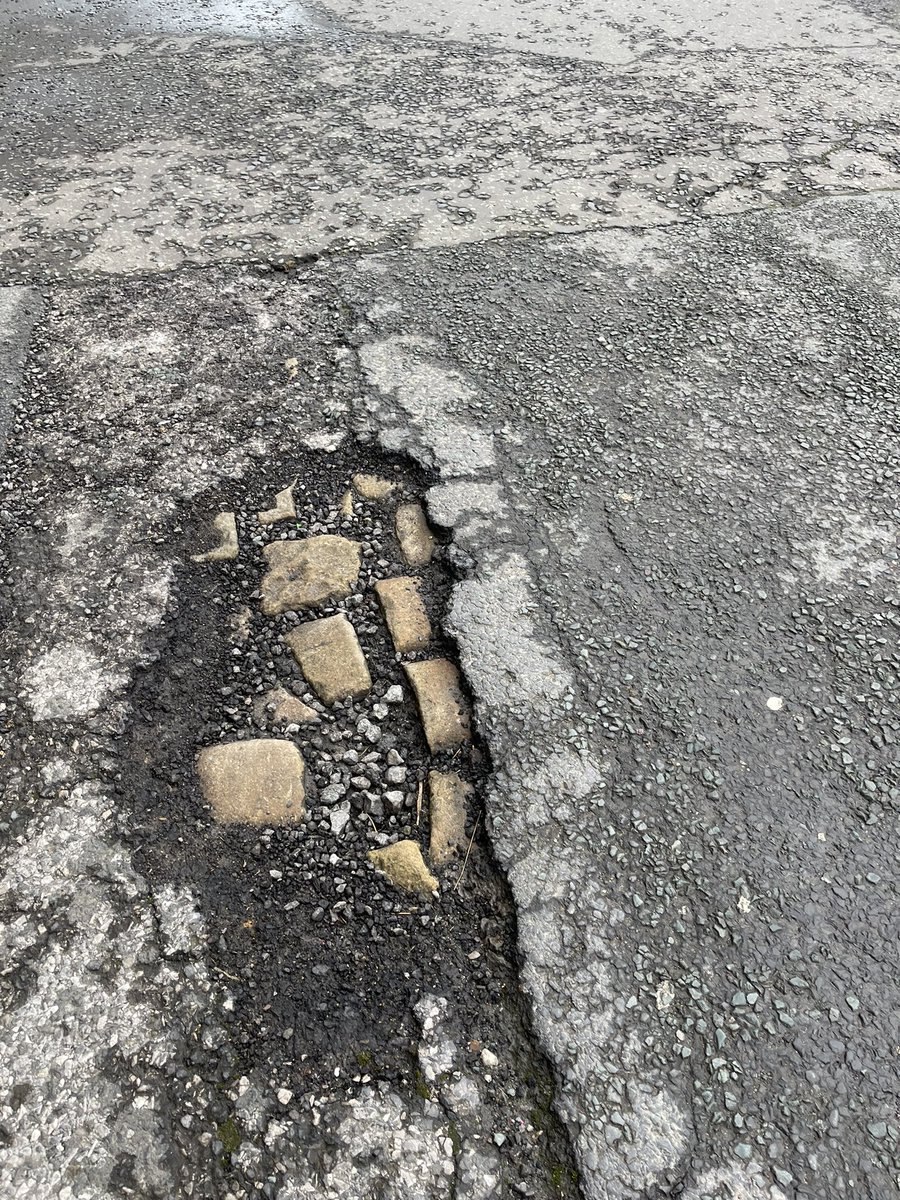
<point x="405" y="613"/>
<point x="305" y="573"/>
<point x="448" y="799"/>
<point x="330" y="657"/>
<point x="416" y="540"/>
<point x="258" y="782"/>
<point x="444" y="710"/>
<point x="404" y="866"/>
<point x="283" y="509"/>
<point x="227" y="549"/>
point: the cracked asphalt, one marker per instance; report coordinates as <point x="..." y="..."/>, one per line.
<point x="616" y="289"/>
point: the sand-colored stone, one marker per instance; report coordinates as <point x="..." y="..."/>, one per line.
<point x="225" y="526"/>
<point x="444" y="711"/>
<point x="330" y="657"/>
<point x="258" y="782"/>
<point x="283" y="509"/>
<point x="287" y="710"/>
<point x="448" y="804"/>
<point x="417" y="542"/>
<point x="347" y="504"/>
<point x="372" y="487"/>
<point x="405" y="613"/>
<point x="404" y="866"/>
<point x="308" y="572"/>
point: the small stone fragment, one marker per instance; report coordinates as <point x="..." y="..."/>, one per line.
<point x="404" y="612"/>
<point x="449" y="796"/>
<point x="371" y="487"/>
<point x="225" y="526"/>
<point x="288" y="709"/>
<point x="308" y="572"/>
<point x="347" y="504"/>
<point x="404" y="866"/>
<point x="445" y="714"/>
<point x="416" y="540"/>
<point x="283" y="509"/>
<point x="339" y="817"/>
<point x="257" y="782"/>
<point x="330" y="657"/>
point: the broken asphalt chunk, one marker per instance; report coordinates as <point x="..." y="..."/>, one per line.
<point x="330" y="657"/>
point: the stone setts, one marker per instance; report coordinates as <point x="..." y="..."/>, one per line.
<point x="329" y="655"/>
<point x="283" y="509"/>
<point x="417" y="542"/>
<point x="448" y="805"/>
<point x="403" y="864"/>
<point x="281" y="707"/>
<point x="443" y="708"/>
<point x="310" y="571"/>
<point x="371" y="487"/>
<point x="225" y="526"/>
<point x="405" y="614"/>
<point x="257" y="782"/>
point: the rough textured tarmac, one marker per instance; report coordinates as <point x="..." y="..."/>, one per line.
<point x="620" y="289"/>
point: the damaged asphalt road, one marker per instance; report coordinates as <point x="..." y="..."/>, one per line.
<point x="616" y="297"/>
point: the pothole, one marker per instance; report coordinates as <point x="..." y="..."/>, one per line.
<point x="324" y="964"/>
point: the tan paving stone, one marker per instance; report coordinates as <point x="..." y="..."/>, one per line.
<point x="404" y="866"/>
<point x="284" y="508"/>
<point x="416" y="540"/>
<point x="225" y="526"/>
<point x="448" y="805"/>
<point x="258" y="782"/>
<point x="330" y="657"/>
<point x="308" y="572"/>
<point x="347" y="504"/>
<point x="371" y="487"/>
<point x="288" y="709"/>
<point x="404" y="612"/>
<point x="444" y="711"/>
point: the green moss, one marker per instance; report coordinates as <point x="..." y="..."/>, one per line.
<point x="364" y="1058"/>
<point x="229" y="1136"/>
<point x="453" y="1133"/>
<point x="422" y="1088"/>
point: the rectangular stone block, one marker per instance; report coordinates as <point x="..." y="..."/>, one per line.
<point x="258" y="782"/>
<point x="404" y="612"/>
<point x="449" y="801"/>
<point x="330" y="657"/>
<point x="417" y="542"/>
<point x="308" y="572"/>
<point x="444" y="711"/>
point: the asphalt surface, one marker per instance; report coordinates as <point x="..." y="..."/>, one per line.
<point x="617" y="288"/>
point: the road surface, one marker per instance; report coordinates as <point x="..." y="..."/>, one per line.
<point x="613" y="290"/>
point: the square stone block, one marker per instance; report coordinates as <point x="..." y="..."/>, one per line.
<point x="330" y="657"/>
<point x="305" y="573"/>
<point x="257" y="782"/>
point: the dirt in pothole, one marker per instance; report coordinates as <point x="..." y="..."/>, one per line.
<point x="324" y="959"/>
